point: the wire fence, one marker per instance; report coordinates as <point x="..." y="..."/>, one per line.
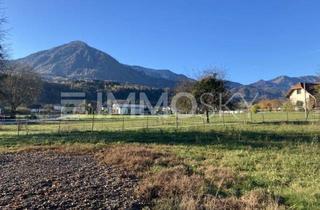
<point x="70" y="123"/>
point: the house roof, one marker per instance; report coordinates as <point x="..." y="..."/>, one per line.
<point x="311" y="88"/>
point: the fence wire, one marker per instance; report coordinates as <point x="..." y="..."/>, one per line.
<point x="70" y="123"/>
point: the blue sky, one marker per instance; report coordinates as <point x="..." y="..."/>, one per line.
<point x="250" y="40"/>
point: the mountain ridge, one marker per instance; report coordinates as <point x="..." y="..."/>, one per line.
<point x="274" y="88"/>
<point x="77" y="60"/>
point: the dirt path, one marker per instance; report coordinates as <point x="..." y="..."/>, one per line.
<point x="51" y="180"/>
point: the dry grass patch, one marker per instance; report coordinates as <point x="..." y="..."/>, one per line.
<point x="180" y="188"/>
<point x="171" y="183"/>
<point x="220" y="176"/>
<point x="261" y="199"/>
<point x="175" y="185"/>
<point x="136" y="159"/>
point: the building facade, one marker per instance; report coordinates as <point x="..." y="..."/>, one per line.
<point x="128" y="109"/>
<point x="304" y="95"/>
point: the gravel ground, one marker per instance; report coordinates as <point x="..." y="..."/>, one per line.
<point x="52" y="180"/>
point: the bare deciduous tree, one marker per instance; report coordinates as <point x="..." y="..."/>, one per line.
<point x="3" y="20"/>
<point x="19" y="86"/>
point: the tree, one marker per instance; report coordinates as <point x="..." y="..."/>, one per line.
<point x="288" y="106"/>
<point x="210" y="93"/>
<point x="310" y="106"/>
<point x="317" y="95"/>
<point x="184" y="104"/>
<point x="317" y="91"/>
<point x="270" y="105"/>
<point x="3" y="20"/>
<point x="255" y="108"/>
<point x="19" y="86"/>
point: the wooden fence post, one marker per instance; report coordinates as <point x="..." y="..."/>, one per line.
<point x="147" y="122"/>
<point x="59" y="128"/>
<point x="223" y="120"/>
<point x="18" y="126"/>
<point x="27" y="128"/>
<point x="123" y="123"/>
<point x="177" y="121"/>
<point x="92" y="123"/>
<point x="244" y="117"/>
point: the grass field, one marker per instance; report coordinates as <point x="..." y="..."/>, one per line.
<point x="69" y="123"/>
<point x="240" y="156"/>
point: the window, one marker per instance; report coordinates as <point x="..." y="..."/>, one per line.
<point x="299" y="104"/>
<point x="299" y="91"/>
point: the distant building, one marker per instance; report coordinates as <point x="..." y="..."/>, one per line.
<point x="303" y="93"/>
<point x="57" y="107"/>
<point x="36" y="108"/>
<point x="164" y="110"/>
<point x="124" y="108"/>
<point x="73" y="103"/>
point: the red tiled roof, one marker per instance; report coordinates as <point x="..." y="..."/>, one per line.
<point x="311" y="88"/>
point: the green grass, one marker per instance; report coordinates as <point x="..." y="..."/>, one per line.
<point x="290" y="172"/>
<point x="282" y="158"/>
<point x="113" y="122"/>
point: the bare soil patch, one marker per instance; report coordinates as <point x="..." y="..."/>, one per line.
<point x="60" y="180"/>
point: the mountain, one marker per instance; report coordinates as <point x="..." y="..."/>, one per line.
<point x="164" y="74"/>
<point x="232" y="85"/>
<point x="78" y="61"/>
<point x="271" y="89"/>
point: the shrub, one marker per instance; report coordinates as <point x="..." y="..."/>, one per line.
<point x="255" y="108"/>
<point x="288" y="107"/>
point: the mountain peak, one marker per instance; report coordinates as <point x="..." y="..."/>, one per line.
<point x="279" y="79"/>
<point x="261" y="80"/>
<point x="77" y="42"/>
<point x="77" y="60"/>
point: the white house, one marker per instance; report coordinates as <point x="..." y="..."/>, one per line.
<point x="128" y="109"/>
<point x="304" y="93"/>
